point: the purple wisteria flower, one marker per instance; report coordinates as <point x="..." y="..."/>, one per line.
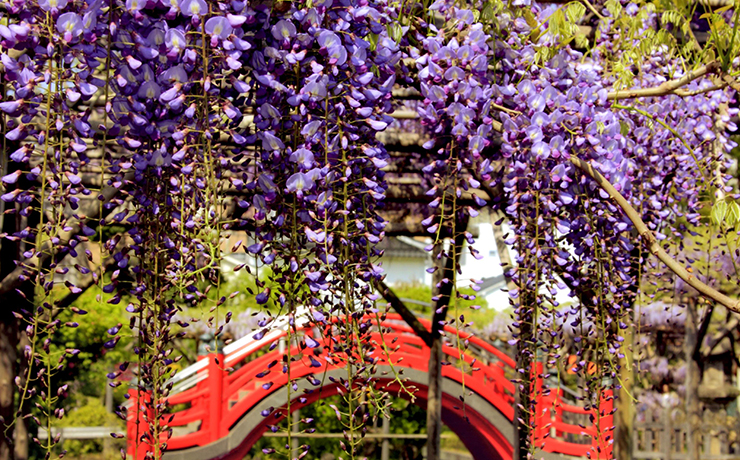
<point x="176" y="74"/>
<point x="299" y="182"/>
<point x="303" y="157"/>
<point x="149" y="90"/>
<point x="219" y="26"/>
<point x="70" y="25"/>
<point x="134" y="6"/>
<point x="52" y="5"/>
<point x="194" y="7"/>
<point x="283" y="30"/>
<point x="271" y="142"/>
<point x="541" y="150"/>
<point x="175" y="40"/>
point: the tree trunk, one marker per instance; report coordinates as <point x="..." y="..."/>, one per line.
<point x="8" y="349"/>
<point x="22" y="439"/>
<point x="625" y="415"/>
<point x="693" y="378"/>
<point x="444" y="289"/>
<point x="523" y="419"/>
<point x="504" y="256"/>
<point x="434" y="401"/>
<point x="434" y="391"/>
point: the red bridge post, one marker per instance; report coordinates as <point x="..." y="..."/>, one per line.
<point x="216" y="376"/>
<point x="137" y="426"/>
<point x="603" y="441"/>
<point x="541" y="411"/>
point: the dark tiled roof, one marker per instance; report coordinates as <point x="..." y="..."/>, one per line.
<point x="394" y="247"/>
<point x="493" y="283"/>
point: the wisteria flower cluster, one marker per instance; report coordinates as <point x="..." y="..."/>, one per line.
<point x="452" y="64"/>
<point x="181" y="120"/>
<point x="321" y="92"/>
<point x="568" y="233"/>
<point x="50" y="59"/>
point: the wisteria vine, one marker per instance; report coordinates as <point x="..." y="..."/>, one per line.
<point x="183" y="120"/>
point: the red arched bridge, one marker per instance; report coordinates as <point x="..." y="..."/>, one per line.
<point x="225" y="394"/>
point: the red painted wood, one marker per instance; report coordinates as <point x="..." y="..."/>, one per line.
<point x="137" y="425"/>
<point x="210" y="399"/>
<point x="485" y="439"/>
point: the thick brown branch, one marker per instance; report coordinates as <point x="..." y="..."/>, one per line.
<point x="702" y="332"/>
<point x="407" y="315"/>
<point x="720" y="336"/>
<point x="668" y="87"/>
<point x="445" y="290"/>
<point x="90" y="211"/>
<point x="83" y="285"/>
<point x="651" y="242"/>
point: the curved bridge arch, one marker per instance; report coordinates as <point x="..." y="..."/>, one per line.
<point x="224" y="418"/>
<point x="489" y="440"/>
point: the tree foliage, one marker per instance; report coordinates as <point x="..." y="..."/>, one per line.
<point x="139" y="134"/>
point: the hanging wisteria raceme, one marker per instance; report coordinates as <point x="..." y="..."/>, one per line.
<point x="176" y="113"/>
<point x="567" y="229"/>
<point x="452" y="65"/>
<point x="322" y="79"/>
<point x="50" y="59"/>
<point x="455" y="82"/>
<point x="556" y="111"/>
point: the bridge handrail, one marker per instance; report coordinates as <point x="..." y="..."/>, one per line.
<point x="247" y="349"/>
<point x="277" y="328"/>
<point x="474" y="339"/>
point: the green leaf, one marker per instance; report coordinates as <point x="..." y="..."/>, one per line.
<point x="542" y="54"/>
<point x="733" y="214"/>
<point x="556" y="22"/>
<point x="624" y="128"/>
<point x="723" y="9"/>
<point x="600" y="127"/>
<point x="487" y="14"/>
<point x="373" y="39"/>
<point x="575" y="12"/>
<point x="719" y="211"/>
<point x="395" y="31"/>
<point x="614" y="7"/>
<point x="581" y="40"/>
<point x="670" y="17"/>
<point x="531" y="20"/>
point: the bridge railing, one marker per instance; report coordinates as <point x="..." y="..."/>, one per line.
<point x="211" y="396"/>
<point x="566" y="428"/>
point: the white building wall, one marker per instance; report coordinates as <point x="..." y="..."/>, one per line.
<point x="498" y="300"/>
<point x="489" y="265"/>
<point x="406" y="270"/>
<point x="413" y="270"/>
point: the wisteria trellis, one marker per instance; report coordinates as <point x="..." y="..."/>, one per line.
<point x="184" y="119"/>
